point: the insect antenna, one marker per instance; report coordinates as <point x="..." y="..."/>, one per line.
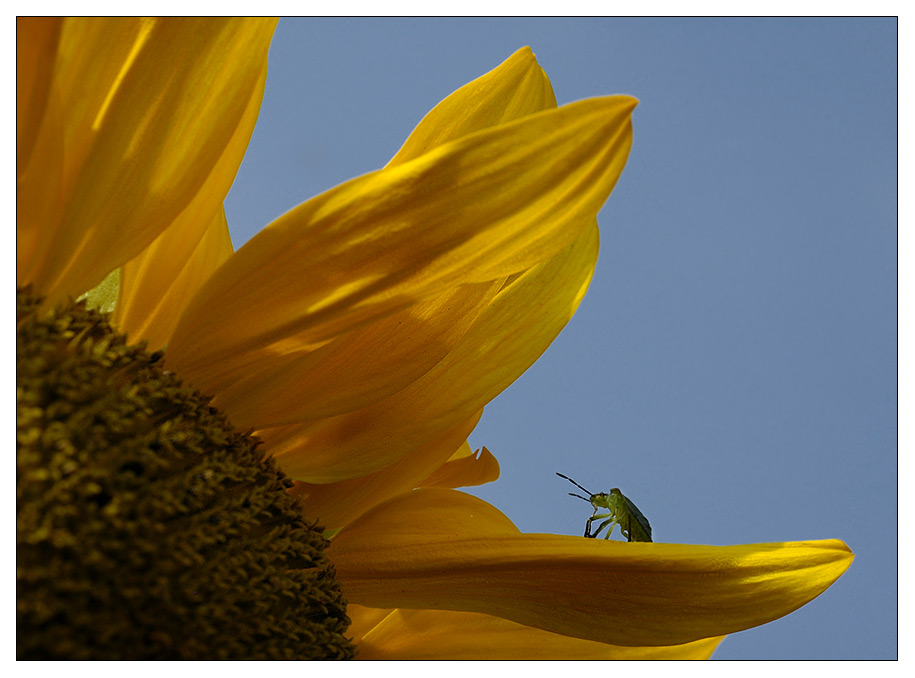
<point x="590" y="493"/>
<point x="572" y="494"/>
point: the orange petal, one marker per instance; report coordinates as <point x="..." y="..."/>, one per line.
<point x="441" y="549"/>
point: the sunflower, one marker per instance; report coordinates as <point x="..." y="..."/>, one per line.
<point x="346" y="352"/>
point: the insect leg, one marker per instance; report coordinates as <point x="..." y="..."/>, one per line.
<point x="611" y="521"/>
<point x="594" y="517"/>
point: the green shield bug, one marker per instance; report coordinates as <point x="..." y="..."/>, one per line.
<point x="619" y="511"/>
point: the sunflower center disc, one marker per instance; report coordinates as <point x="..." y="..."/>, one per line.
<point x="147" y="528"/>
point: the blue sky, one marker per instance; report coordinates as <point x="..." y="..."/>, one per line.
<point x="733" y="366"/>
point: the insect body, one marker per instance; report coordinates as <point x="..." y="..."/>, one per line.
<point x="619" y="511"/>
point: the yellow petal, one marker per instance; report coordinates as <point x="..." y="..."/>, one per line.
<point x="157" y="285"/>
<point x="512" y="90"/>
<point x="354" y="370"/>
<point x="150" y="106"/>
<point x="36" y="50"/>
<point x="40" y="149"/>
<point x="474" y="210"/>
<point x="442" y="549"/>
<point x="337" y="504"/>
<point x="442" y="634"/>
<point x="465" y="469"/>
<point x="507" y="337"/>
<point x="387" y="355"/>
